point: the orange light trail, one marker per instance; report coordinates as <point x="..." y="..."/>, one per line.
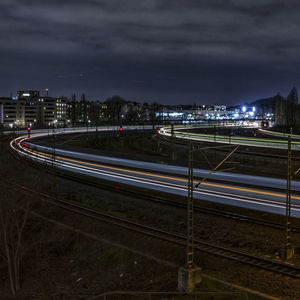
<point x="166" y="177"/>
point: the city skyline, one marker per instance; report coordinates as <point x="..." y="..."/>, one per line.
<point x="169" y="52"/>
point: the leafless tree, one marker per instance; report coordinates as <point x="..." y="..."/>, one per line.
<point x="13" y="220"/>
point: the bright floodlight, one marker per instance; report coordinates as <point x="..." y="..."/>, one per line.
<point x="253" y="108"/>
<point x="243" y="108"/>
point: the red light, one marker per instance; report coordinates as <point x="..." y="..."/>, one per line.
<point x="121" y="128"/>
<point x="28" y="128"/>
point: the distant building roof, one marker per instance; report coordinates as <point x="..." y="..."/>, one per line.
<point x="28" y="94"/>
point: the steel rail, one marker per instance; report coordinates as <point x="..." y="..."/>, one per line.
<point x="174" y="238"/>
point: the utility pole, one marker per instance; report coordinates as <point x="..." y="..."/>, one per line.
<point x="288" y="251"/>
<point x="215" y="131"/>
<point x="1" y="138"/>
<point x="190" y="275"/>
<point x="190" y="212"/>
<point x="173" y="154"/>
<point x="53" y="157"/>
<point x="157" y="140"/>
<point x="121" y="135"/>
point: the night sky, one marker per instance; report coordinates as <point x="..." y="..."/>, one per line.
<point x="168" y="51"/>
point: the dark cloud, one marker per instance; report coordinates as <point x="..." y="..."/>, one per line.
<point x="164" y="50"/>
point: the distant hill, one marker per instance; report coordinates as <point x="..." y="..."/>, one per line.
<point x="270" y="102"/>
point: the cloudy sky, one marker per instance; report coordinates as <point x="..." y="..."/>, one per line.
<point x="168" y="51"/>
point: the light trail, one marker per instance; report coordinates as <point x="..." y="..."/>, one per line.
<point x="168" y="184"/>
<point x="46" y="157"/>
<point x="165" y="177"/>
<point x="255" y="142"/>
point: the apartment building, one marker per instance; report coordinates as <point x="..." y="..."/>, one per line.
<point x="29" y="108"/>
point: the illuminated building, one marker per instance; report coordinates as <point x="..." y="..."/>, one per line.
<point x="31" y="108"/>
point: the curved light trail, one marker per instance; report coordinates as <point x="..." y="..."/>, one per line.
<point x="279" y="134"/>
<point x="246" y="197"/>
<point x="254" y="142"/>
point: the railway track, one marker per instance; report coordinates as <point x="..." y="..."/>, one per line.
<point x="161" y="199"/>
<point x="173" y="238"/>
<point x="239" y="151"/>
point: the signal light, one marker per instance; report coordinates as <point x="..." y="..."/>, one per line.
<point x="28" y="131"/>
<point x="157" y="129"/>
<point x="121" y="128"/>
